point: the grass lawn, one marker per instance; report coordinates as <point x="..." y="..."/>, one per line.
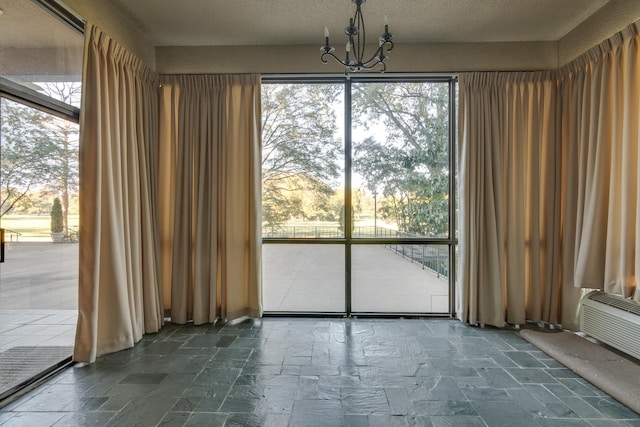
<point x="31" y="227"/>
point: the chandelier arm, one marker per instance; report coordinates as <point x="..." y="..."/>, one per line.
<point x="367" y="66"/>
<point x="350" y="65"/>
<point x="372" y="63"/>
<point x="378" y="55"/>
<point x="331" y="54"/>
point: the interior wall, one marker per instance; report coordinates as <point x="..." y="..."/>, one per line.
<point x="408" y="58"/>
<point x="610" y="19"/>
<point x="114" y="23"/>
<point x="404" y="58"/>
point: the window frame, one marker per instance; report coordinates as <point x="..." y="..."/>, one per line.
<point x="348" y="240"/>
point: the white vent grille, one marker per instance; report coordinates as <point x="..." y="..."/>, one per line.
<point x="612" y="320"/>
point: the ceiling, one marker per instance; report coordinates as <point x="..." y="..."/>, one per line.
<point x="431" y="35"/>
<point x="296" y="22"/>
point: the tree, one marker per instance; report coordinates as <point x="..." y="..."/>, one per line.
<point x="57" y="225"/>
<point x="27" y="148"/>
<point x="39" y="151"/>
<point x="300" y="151"/>
<point x="65" y="136"/>
<point x="410" y="166"/>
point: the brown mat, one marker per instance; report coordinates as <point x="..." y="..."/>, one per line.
<point x="613" y="373"/>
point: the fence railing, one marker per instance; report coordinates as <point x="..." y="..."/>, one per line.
<point x="302" y="231"/>
<point x="10" y="235"/>
<point x="430" y="257"/>
<point x="434" y="258"/>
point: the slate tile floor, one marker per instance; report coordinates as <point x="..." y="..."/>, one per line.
<point x="322" y="372"/>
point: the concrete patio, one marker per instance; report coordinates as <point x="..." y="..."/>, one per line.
<point x="311" y="277"/>
<point x="38" y="294"/>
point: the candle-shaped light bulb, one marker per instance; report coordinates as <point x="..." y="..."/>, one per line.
<point x="348" y="47"/>
<point x="326" y="32"/>
<point x="386" y="24"/>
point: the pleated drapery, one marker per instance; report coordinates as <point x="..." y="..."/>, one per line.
<point x="119" y="283"/>
<point x="600" y="95"/>
<point x="549" y="186"/>
<point x="509" y="165"/>
<point x="210" y="171"/>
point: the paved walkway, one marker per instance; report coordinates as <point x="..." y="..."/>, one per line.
<point x="310" y="277"/>
<point x="38" y="309"/>
<point x="38" y="294"/>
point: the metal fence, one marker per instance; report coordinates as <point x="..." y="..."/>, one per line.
<point x="430" y="257"/>
<point x="302" y="231"/>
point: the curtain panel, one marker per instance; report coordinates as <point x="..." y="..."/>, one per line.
<point x="549" y="181"/>
<point x="600" y="101"/>
<point x="210" y="169"/>
<point x="119" y="283"/>
<point x="509" y="164"/>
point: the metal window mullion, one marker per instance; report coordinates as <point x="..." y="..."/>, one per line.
<point x="452" y="197"/>
<point x="63" y="13"/>
<point x="24" y="95"/>
<point x="348" y="223"/>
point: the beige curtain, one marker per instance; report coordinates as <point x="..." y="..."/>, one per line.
<point x="210" y="184"/>
<point x="549" y="182"/>
<point x="509" y="165"/>
<point x="119" y="285"/>
<point x="600" y="137"/>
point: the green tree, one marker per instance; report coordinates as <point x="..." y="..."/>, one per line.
<point x="57" y="225"/>
<point x="27" y="147"/>
<point x="65" y="137"/>
<point x="300" y="151"/>
<point x="409" y="163"/>
<point x="39" y="151"/>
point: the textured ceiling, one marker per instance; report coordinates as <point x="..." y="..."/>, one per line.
<point x="287" y="22"/>
<point x="291" y="22"/>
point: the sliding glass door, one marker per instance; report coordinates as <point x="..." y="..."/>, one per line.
<point x="377" y="151"/>
<point x="40" y="88"/>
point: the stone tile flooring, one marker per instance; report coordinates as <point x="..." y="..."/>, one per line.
<point x="322" y="372"/>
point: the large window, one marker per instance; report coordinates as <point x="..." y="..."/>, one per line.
<point x="40" y="70"/>
<point x="379" y="152"/>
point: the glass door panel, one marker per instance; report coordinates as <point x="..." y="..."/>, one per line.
<point x="303" y="197"/>
<point x="400" y="278"/>
<point x="401" y="166"/>
<point x="39" y="215"/>
<point x="303" y="278"/>
<point x="401" y="160"/>
<point x="393" y="175"/>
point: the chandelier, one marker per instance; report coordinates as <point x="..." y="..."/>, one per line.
<point x="355" y="33"/>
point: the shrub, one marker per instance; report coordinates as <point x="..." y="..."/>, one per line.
<point x="56" y="216"/>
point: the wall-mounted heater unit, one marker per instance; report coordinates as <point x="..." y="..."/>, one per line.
<point x="613" y="320"/>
